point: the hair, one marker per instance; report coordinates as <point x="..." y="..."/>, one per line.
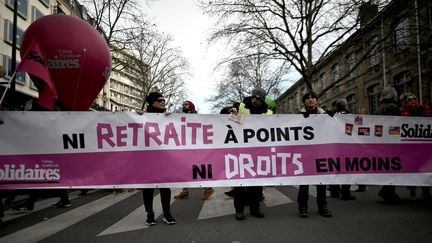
<point x="388" y="94"/>
<point x="309" y="94"/>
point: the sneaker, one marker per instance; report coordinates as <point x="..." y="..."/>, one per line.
<point x="257" y="214"/>
<point x="168" y="219"/>
<point x="230" y="193"/>
<point x="21" y="209"/>
<point x="413" y="195"/>
<point x="303" y="213"/>
<point x="324" y="212"/>
<point x="361" y="188"/>
<point x="389" y="198"/>
<point x="61" y="205"/>
<point x="182" y="195"/>
<point x="207" y="193"/>
<point x="239" y="216"/>
<point x="150" y="219"/>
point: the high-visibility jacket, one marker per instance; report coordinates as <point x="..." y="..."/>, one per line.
<point x="245" y="111"/>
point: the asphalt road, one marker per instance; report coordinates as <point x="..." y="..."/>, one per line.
<point x="107" y="217"/>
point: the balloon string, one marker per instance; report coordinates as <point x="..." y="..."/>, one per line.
<point x="7" y="87"/>
<point x="79" y="79"/>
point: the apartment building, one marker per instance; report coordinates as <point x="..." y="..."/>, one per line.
<point x="119" y="93"/>
<point x="392" y="48"/>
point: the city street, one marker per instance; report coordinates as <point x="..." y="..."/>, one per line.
<point x="103" y="216"/>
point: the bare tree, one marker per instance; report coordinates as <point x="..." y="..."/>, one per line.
<point x="158" y="65"/>
<point x="245" y="74"/>
<point x="113" y="18"/>
<point x="301" y="32"/>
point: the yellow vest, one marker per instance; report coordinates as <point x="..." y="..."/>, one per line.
<point x="245" y="111"/>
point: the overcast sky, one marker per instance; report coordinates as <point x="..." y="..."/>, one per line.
<point x="183" y="20"/>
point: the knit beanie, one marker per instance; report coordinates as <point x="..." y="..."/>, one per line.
<point x="259" y="93"/>
<point x="152" y="97"/>
<point x="403" y="97"/>
<point x="191" y="105"/>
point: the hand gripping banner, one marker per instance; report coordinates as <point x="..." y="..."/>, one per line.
<point x="125" y="150"/>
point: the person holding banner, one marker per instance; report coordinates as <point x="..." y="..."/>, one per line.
<point x="310" y="101"/>
<point x="250" y="195"/>
<point x="411" y="107"/>
<point x="156" y="104"/>
<point x="188" y="107"/>
<point x="388" y="107"/>
<point x="342" y="192"/>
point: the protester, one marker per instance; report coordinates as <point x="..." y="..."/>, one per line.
<point x="336" y="191"/>
<point x="226" y="110"/>
<point x="188" y="107"/>
<point x="388" y="107"/>
<point x="34" y="194"/>
<point x="156" y="104"/>
<point x="310" y="101"/>
<point x="411" y="107"/>
<point x="252" y="195"/>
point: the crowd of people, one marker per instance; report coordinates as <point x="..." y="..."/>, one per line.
<point x="258" y="104"/>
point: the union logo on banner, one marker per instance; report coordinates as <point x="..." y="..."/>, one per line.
<point x="35" y="64"/>
<point x="394" y="130"/>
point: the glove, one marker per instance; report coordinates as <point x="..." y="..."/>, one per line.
<point x="305" y="115"/>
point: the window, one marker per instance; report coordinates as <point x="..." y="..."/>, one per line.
<point x="322" y="81"/>
<point x="403" y="82"/>
<point x="22" y="7"/>
<point x="401" y="35"/>
<point x="373" y="46"/>
<point x="8" y="33"/>
<point x="45" y="2"/>
<point x="373" y="95"/>
<point x="352" y="103"/>
<point x="36" y="14"/>
<point x="19" y="77"/>
<point x="335" y="72"/>
<point x="350" y="62"/>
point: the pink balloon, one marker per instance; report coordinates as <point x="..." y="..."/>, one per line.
<point x="67" y="59"/>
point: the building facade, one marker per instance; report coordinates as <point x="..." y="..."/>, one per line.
<point x="391" y="48"/>
<point x="119" y="93"/>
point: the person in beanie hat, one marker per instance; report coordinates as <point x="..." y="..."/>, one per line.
<point x="259" y="93"/>
<point x="189" y="108"/>
<point x="411" y="107"/>
<point x="251" y="195"/>
<point x="156" y="104"/>
<point x="388" y="107"/>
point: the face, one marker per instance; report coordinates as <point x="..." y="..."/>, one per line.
<point x="185" y="106"/>
<point x="159" y="103"/>
<point x="256" y="101"/>
<point x="411" y="100"/>
<point x="310" y="101"/>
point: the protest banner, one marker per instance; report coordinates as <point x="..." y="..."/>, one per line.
<point x="126" y="150"/>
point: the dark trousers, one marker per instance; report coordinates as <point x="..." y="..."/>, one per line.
<point x="1" y="205"/>
<point x="337" y="190"/>
<point x="247" y="196"/>
<point x="165" y="195"/>
<point x="35" y="194"/>
<point x="303" y="196"/>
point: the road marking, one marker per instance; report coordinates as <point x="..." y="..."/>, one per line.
<point x="39" y="205"/>
<point x="53" y="225"/>
<point x="136" y="219"/>
<point x="274" y="197"/>
<point x="313" y="191"/>
<point x="217" y="205"/>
